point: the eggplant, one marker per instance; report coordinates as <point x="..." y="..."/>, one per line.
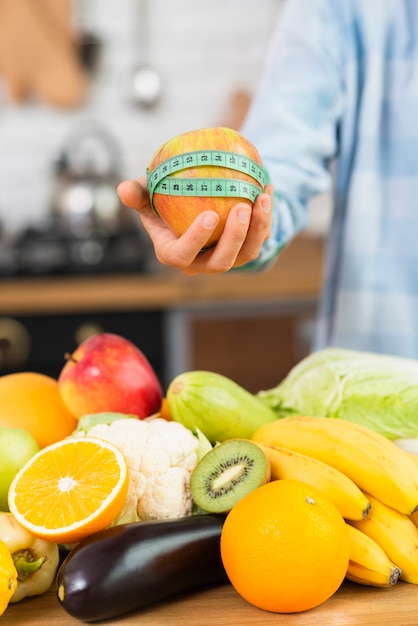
<point x="124" y="568"/>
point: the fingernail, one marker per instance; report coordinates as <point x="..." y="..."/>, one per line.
<point x="266" y="205"/>
<point x="209" y="220"/>
<point x="244" y="215"/>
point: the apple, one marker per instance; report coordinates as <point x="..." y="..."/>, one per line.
<point x="178" y="212"/>
<point x="108" y="372"/>
<point x="17" y="446"/>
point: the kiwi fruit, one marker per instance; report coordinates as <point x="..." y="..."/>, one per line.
<point x="227" y="473"/>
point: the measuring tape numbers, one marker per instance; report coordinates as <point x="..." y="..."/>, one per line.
<point x="160" y="180"/>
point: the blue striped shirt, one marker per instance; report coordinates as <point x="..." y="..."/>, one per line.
<point x="337" y="108"/>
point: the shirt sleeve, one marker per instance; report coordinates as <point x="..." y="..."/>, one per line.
<point x="293" y="119"/>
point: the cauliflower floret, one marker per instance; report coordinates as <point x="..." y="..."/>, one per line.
<point x="167" y="495"/>
<point x="161" y="456"/>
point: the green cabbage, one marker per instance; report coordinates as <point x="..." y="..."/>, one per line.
<point x="375" y="390"/>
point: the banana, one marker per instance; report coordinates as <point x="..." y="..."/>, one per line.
<point x="373" y="462"/>
<point x="347" y="497"/>
<point x="369" y="564"/>
<point x="414" y="458"/>
<point x="396" y="534"/>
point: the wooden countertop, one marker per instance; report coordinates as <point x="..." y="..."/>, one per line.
<point x="296" y="275"/>
<point x="352" y="605"/>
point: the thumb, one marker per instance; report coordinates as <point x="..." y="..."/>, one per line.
<point x="134" y="193"/>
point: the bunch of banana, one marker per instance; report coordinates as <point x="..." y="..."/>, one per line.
<point x="396" y="534"/>
<point x="373" y="462"/>
<point x="369" y="563"/>
<point x="372" y="481"/>
<point x="349" y="499"/>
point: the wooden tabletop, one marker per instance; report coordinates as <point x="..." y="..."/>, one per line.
<point x="352" y="605"/>
<point x="297" y="274"/>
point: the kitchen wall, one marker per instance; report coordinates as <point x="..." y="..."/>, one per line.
<point x="204" y="51"/>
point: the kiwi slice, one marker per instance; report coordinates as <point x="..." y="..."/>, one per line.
<point x="227" y="473"/>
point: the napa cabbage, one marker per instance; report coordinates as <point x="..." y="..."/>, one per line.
<point x="375" y="390"/>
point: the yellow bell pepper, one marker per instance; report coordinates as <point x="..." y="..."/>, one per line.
<point x="35" y="559"/>
<point x="8" y="577"/>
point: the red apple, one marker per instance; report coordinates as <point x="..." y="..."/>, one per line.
<point x="180" y="211"/>
<point x="109" y="373"/>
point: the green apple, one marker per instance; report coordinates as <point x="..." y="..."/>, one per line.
<point x="180" y="211"/>
<point x="17" y="446"/>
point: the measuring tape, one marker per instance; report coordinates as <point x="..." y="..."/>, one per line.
<point x="159" y="180"/>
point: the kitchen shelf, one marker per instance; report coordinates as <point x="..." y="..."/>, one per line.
<point x="180" y="322"/>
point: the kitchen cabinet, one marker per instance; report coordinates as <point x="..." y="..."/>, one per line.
<point x="248" y="326"/>
<point x="51" y="337"/>
<point x="254" y="344"/>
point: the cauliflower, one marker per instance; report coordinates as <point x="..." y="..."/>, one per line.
<point x="161" y="456"/>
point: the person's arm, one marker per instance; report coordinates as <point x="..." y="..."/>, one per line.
<point x="294" y="116"/>
<point x="293" y="123"/>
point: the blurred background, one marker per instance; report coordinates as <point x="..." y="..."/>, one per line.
<point x="207" y="56"/>
<point x="89" y="89"/>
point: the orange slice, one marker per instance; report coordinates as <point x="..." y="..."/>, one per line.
<point x="70" y="489"/>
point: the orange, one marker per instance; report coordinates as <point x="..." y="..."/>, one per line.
<point x="70" y="489"/>
<point x="32" y="401"/>
<point x="285" y="547"/>
<point x="164" y="411"/>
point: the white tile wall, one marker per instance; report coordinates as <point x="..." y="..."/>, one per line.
<point x="204" y="51"/>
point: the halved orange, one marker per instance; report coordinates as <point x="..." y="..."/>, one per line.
<point x="70" y="489"/>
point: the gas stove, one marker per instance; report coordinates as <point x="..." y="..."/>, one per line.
<point x="48" y="249"/>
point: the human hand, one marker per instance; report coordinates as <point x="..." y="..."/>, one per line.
<point x="245" y="231"/>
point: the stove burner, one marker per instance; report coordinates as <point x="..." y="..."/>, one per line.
<point x="49" y="251"/>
